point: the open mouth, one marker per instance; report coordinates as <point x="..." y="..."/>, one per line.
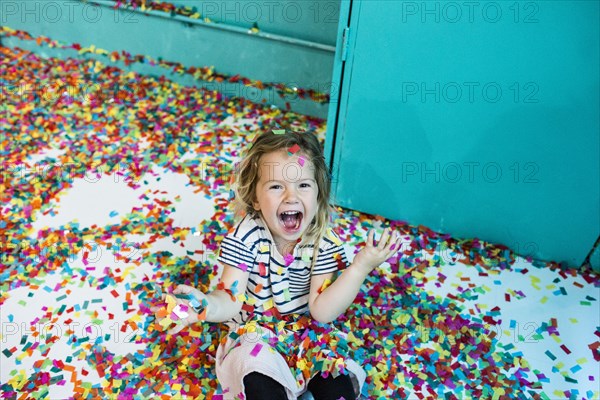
<point x="291" y="220"/>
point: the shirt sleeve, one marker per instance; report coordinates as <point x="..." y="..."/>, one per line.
<point x="332" y="256"/>
<point x="235" y="253"/>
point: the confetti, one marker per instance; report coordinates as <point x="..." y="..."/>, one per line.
<point x="181" y="311"/>
<point x="288" y="258"/>
<point x="257" y="348"/>
<point x="294" y="149"/>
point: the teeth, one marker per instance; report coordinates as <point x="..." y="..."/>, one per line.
<point x="290" y="212"/>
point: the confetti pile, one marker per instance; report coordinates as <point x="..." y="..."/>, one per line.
<point x="106" y="198"/>
<point x="205" y="74"/>
<point x="170" y="8"/>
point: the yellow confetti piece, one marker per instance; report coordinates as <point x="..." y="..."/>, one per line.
<point x="268" y="304"/>
<point x="165" y="322"/>
<point x="559" y="365"/>
<point x="543" y="300"/>
<point x="194" y="334"/>
<point x="498" y="392"/>
<point x="171" y="303"/>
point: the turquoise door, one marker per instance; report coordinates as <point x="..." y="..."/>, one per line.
<point x="477" y="119"/>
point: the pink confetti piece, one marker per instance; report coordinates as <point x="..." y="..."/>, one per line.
<point x="257" y="348"/>
<point x="288" y="258"/>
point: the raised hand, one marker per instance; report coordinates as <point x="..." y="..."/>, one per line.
<point x="372" y="256"/>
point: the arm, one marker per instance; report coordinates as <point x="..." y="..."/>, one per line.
<point x="334" y="300"/>
<point x="220" y="305"/>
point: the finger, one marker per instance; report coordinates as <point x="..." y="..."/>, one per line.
<point x="183" y="289"/>
<point x="371" y="237"/>
<point x="384" y="239"/>
<point x="178" y="328"/>
<point x="393" y="239"/>
<point x="395" y="245"/>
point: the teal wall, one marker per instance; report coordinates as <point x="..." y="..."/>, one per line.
<point x="294" y="45"/>
<point x="516" y="163"/>
<point x="311" y="20"/>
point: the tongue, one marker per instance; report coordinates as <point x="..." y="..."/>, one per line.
<point x="289" y="221"/>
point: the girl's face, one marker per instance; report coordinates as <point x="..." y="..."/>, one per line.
<point x="286" y="195"/>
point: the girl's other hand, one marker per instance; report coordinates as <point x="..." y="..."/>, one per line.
<point x="189" y="315"/>
<point x="372" y="256"/>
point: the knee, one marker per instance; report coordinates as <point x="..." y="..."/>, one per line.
<point x="259" y="386"/>
<point x="332" y="388"/>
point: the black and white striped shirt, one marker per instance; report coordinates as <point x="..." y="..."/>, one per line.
<point x="272" y="284"/>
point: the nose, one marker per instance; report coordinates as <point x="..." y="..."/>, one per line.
<point x="291" y="197"/>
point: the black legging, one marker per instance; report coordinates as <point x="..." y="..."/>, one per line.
<point x="261" y="387"/>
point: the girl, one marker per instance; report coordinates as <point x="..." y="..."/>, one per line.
<point x="278" y="264"/>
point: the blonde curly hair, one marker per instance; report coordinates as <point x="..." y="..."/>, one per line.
<point x="246" y="176"/>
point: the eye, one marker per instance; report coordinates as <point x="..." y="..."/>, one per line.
<point x="275" y="187"/>
<point x="305" y="185"/>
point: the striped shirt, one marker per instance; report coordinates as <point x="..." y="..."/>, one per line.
<point x="272" y="286"/>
